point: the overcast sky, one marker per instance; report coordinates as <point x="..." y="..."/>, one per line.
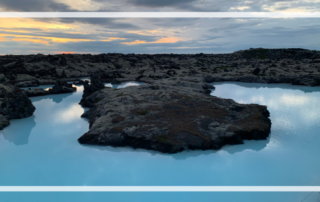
<point x="101" y="35"/>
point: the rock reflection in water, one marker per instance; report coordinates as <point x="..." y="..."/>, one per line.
<point x="19" y="130"/>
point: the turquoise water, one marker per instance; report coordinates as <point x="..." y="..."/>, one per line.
<point x="43" y="150"/>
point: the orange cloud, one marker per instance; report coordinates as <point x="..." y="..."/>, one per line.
<point x="65" y="40"/>
<point x="163" y="40"/>
<point x="9" y="23"/>
<point x="42" y="39"/>
<point x="17" y="25"/>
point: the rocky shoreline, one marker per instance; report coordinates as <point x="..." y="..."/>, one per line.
<point x="296" y="66"/>
<point x="174" y="111"/>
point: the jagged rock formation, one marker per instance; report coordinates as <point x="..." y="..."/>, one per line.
<point x="95" y="85"/>
<point x="170" y="118"/>
<point x="14" y="104"/>
<point x="62" y="87"/>
<point x="36" y="92"/>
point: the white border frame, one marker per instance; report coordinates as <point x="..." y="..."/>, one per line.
<point x="159" y="188"/>
<point x="159" y="14"/>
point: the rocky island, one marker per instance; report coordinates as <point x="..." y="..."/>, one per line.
<point x="174" y="110"/>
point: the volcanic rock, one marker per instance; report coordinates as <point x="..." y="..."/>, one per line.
<point x="62" y="87"/>
<point x="171" y="119"/>
<point x="14" y="103"/>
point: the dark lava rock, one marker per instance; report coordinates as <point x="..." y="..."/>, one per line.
<point x="306" y="80"/>
<point x="256" y="71"/>
<point x="4" y="122"/>
<point x="63" y="61"/>
<point x="109" y="76"/>
<point x="171" y="119"/>
<point x="154" y="87"/>
<point x="208" y="79"/>
<point x="62" y="87"/>
<point x="14" y="103"/>
<point x="171" y="72"/>
<point x="80" y="82"/>
<point x="10" y="76"/>
<point x="95" y="85"/>
<point x="115" y="81"/>
<point x="31" y="83"/>
<point x="207" y="91"/>
<point x="36" y="92"/>
<point x="139" y="77"/>
<point x="208" y="86"/>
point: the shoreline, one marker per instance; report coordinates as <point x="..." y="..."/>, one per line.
<point x="177" y="86"/>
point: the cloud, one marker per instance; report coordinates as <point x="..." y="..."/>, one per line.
<point x="162" y="40"/>
<point x="163" y="3"/>
<point x="34" y="5"/>
<point x="135" y="35"/>
<point x="103" y="22"/>
<point x="157" y="5"/>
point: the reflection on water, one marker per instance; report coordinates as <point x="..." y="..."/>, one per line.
<point x="19" y="131"/>
<point x="124" y="84"/>
<point x="290" y="105"/>
<point x="43" y="150"/>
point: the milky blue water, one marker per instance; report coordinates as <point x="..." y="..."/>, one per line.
<point x="43" y="150"/>
<point x="124" y="84"/>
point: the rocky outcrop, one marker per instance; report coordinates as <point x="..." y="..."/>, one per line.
<point x="95" y="85"/>
<point x="30" y="83"/>
<point x="14" y="103"/>
<point x="115" y="81"/>
<point x="4" y="122"/>
<point x="36" y="92"/>
<point x="62" y="87"/>
<point x="171" y="119"/>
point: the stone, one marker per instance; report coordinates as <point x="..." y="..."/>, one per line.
<point x="14" y="103"/>
<point x="36" y="92"/>
<point x="115" y="81"/>
<point x="208" y="79"/>
<point x="4" y="122"/>
<point x="171" y="119"/>
<point x="207" y="86"/>
<point x="62" y="87"/>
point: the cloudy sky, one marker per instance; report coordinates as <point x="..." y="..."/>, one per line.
<point x="134" y="35"/>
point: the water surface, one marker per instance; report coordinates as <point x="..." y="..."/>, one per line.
<point x="43" y="150"/>
<point x="124" y="84"/>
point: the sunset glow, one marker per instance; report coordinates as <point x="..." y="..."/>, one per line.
<point x="161" y="35"/>
<point x="163" y="40"/>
